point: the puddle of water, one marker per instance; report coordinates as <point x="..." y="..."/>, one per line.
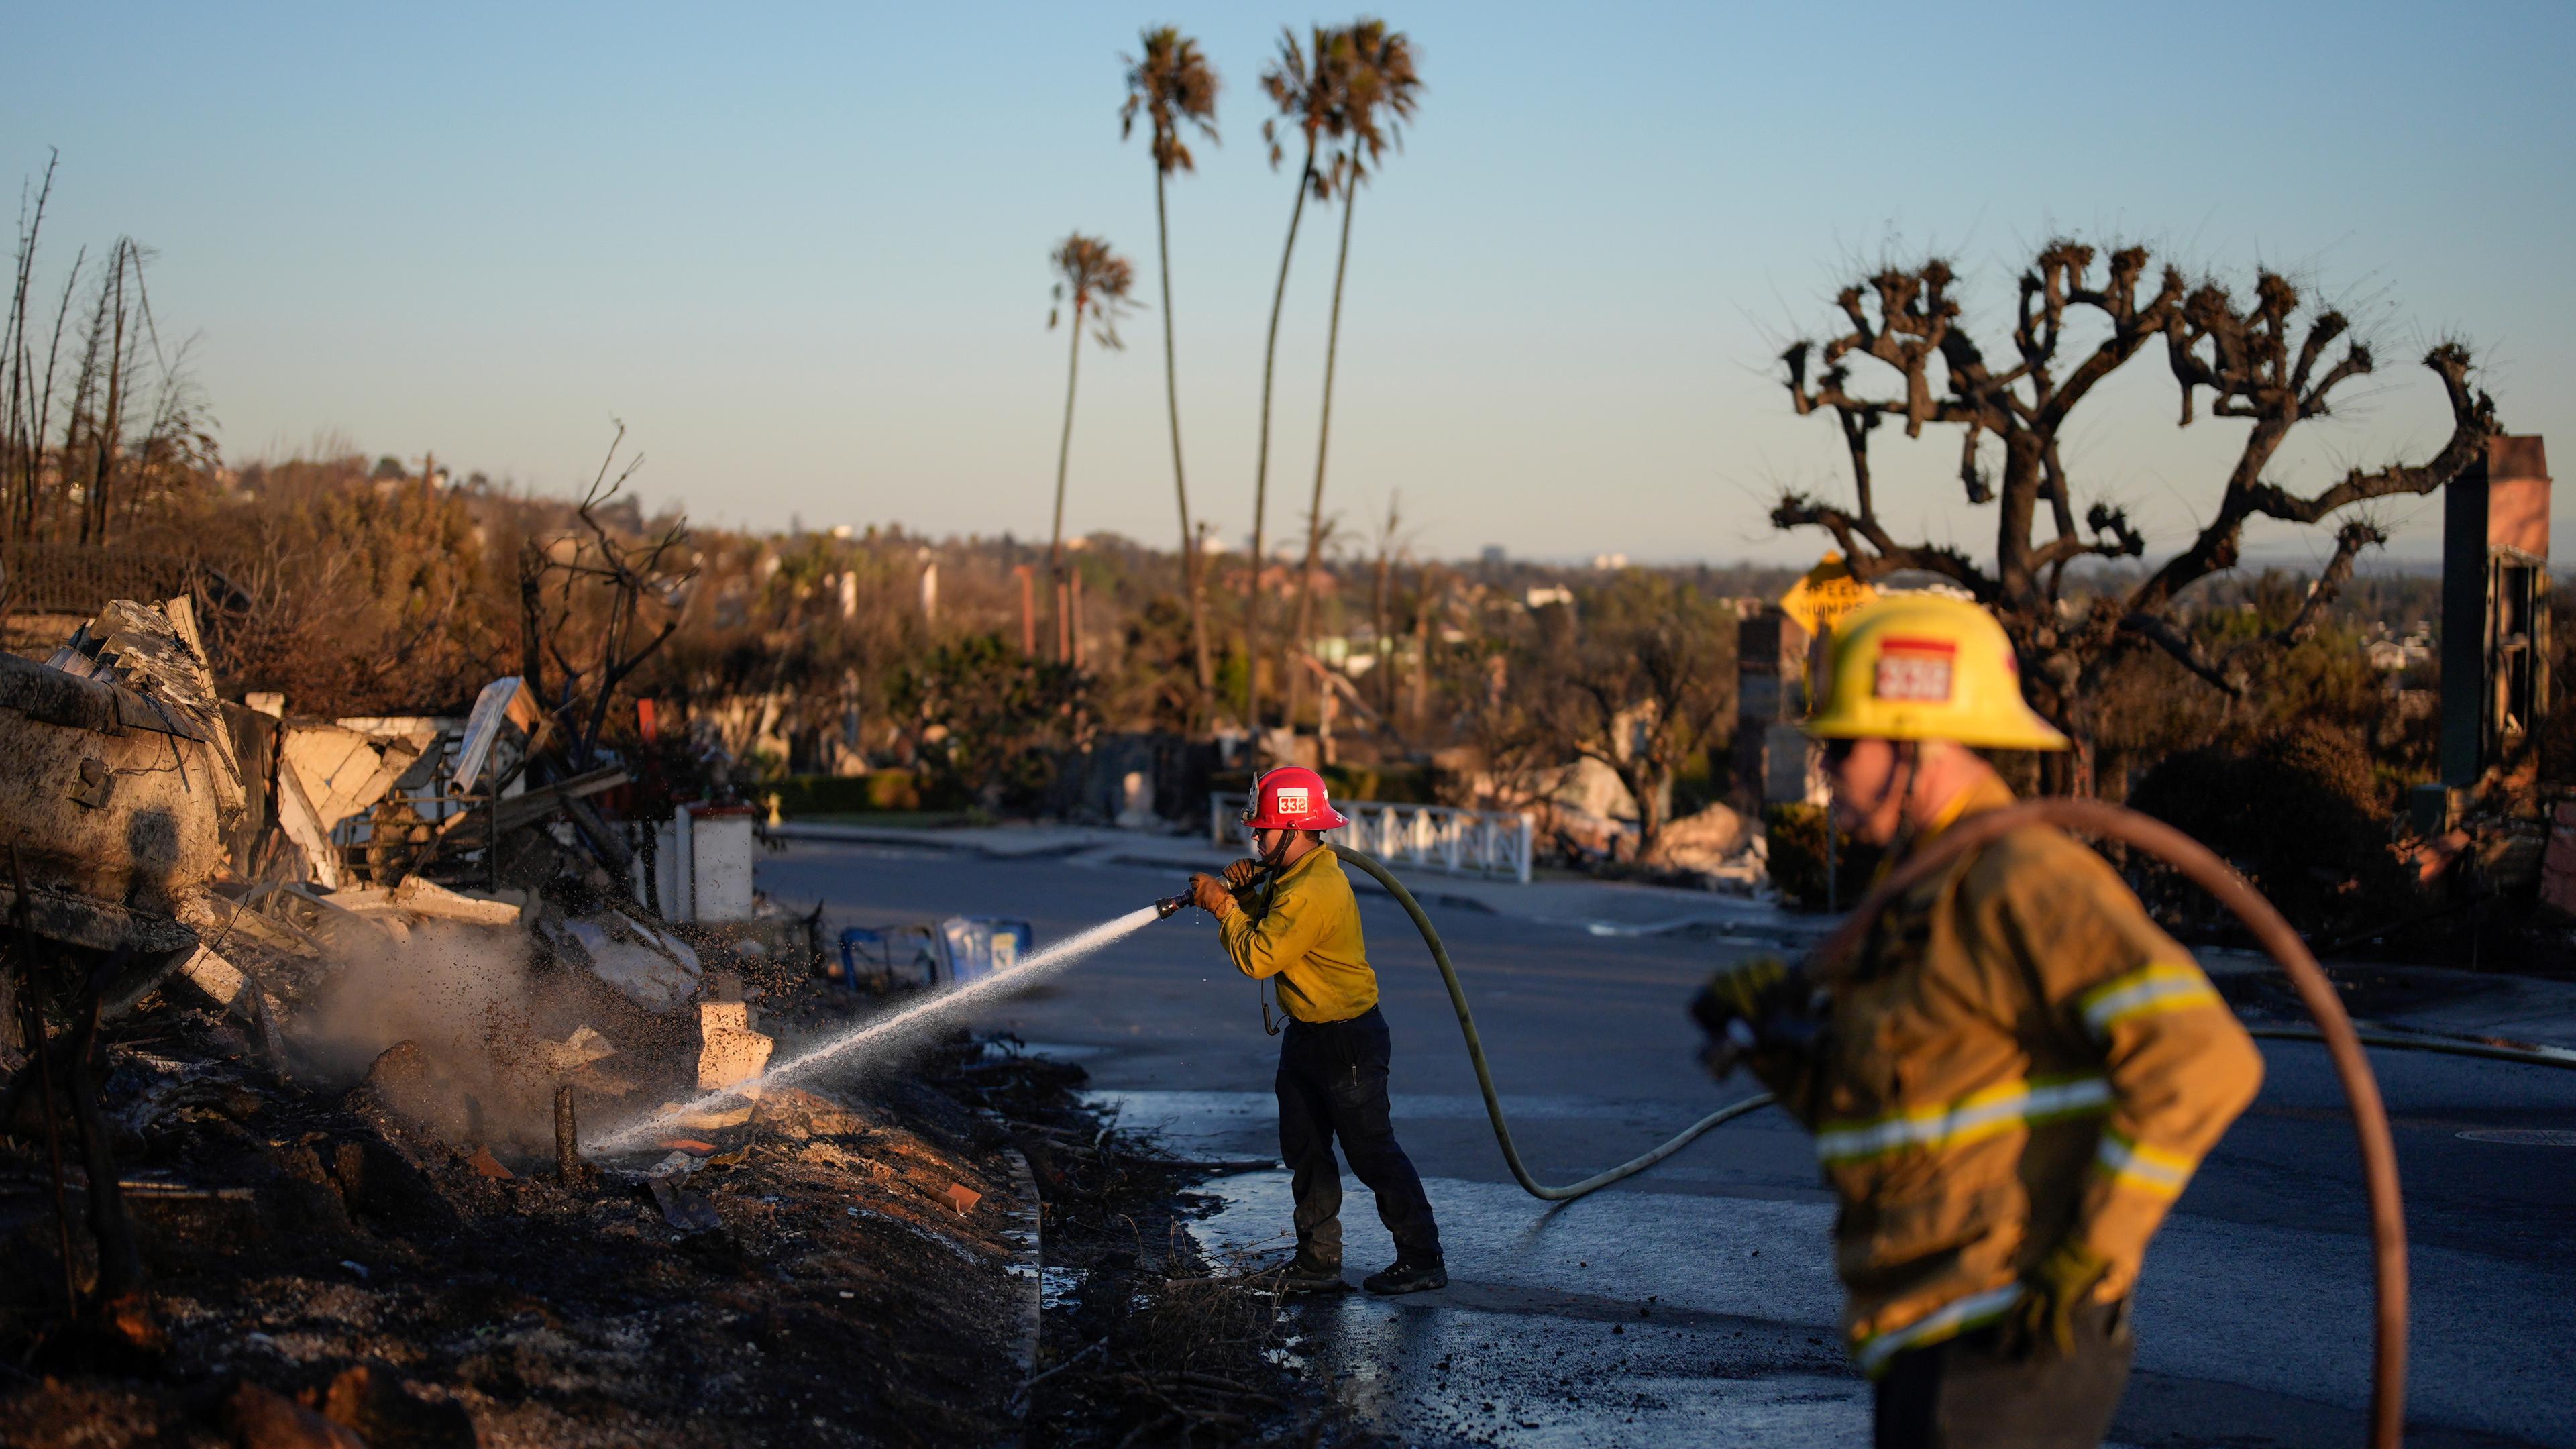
<point x="1245" y="1125"/>
<point x="1574" y="1368"/>
<point x="1055" y="1051"/>
<point x="1613" y="1247"/>
<point x="1457" y="1376"/>
<point x="1058" y="1287"/>
<point x="2521" y="1136"/>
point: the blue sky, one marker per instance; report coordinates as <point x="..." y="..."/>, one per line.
<point x="801" y="251"/>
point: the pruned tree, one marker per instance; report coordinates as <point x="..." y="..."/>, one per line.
<point x="2264" y="358"/>
<point x="1172" y="85"/>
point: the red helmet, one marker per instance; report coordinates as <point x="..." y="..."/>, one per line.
<point x="1291" y="797"/>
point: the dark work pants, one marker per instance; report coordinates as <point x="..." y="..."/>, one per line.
<point x="1967" y="1394"/>
<point x="1332" y="1083"/>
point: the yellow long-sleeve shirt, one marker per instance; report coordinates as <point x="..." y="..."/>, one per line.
<point x="1307" y="934"/>
<point x="2017" y="1056"/>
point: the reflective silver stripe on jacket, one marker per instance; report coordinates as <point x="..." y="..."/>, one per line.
<point x="1947" y="1321"/>
<point x="1979" y="1115"/>
<point x="2165" y="986"/>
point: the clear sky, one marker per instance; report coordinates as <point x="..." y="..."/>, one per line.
<point x="802" y="251"/>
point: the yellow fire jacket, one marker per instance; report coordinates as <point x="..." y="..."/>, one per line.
<point x="1307" y="934"/>
<point x="2016" y="1057"/>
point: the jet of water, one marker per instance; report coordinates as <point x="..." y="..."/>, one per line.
<point x="876" y="1036"/>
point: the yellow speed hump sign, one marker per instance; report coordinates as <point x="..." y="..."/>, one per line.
<point x="1824" y="594"/>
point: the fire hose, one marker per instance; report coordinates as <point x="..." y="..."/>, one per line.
<point x="1485" y="1075"/>
<point x="2195" y="861"/>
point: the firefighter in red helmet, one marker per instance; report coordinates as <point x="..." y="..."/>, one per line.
<point x="1301" y="930"/>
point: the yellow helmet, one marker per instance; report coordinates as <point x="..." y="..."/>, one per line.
<point x="1924" y="667"/>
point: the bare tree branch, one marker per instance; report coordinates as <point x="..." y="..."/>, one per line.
<point x="2262" y="358"/>
<point x="1884" y="555"/>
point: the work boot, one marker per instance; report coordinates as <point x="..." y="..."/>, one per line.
<point x="1309" y="1274"/>
<point x="1406" y="1275"/>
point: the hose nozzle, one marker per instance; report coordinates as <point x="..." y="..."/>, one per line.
<point x="1170" y="906"/>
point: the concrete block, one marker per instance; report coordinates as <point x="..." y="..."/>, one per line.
<point x="731" y="1052"/>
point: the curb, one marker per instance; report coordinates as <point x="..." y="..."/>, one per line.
<point x="1028" y="1263"/>
<point x="864" y="835"/>
<point x="926" y="840"/>
<point x="2407" y="1038"/>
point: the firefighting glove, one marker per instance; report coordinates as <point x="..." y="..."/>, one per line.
<point x="2052" y="1293"/>
<point x="1209" y="894"/>
<point x="1730" y="1008"/>
<point x="1243" y="873"/>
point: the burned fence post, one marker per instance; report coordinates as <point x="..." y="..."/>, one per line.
<point x="568" y="1165"/>
<point x="32" y="1025"/>
<point x="123" y="1300"/>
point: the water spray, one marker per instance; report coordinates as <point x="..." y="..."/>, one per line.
<point x="908" y="1021"/>
<point x="880" y="1034"/>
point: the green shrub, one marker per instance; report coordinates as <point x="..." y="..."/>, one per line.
<point x="1397" y="784"/>
<point x="990" y="726"/>
<point x="844" y="794"/>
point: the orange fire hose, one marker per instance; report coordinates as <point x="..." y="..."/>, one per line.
<point x="2335" y="1029"/>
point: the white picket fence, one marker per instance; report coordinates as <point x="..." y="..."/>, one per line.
<point x="1441" y="837"/>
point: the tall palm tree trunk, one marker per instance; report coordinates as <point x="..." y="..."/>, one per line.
<point x="1180" y="482"/>
<point x="1324" y="435"/>
<point x="1261" y="469"/>
<point x="1063" y="452"/>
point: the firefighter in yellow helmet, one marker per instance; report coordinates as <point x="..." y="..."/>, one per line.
<point x="2011" y="1080"/>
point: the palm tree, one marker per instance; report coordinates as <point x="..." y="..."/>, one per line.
<point x="1093" y="279"/>
<point x="1172" y="83"/>
<point x="1380" y="90"/>
<point x="1308" y="98"/>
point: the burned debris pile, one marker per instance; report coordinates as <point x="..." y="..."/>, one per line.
<point x="310" y="1033"/>
<point x="817" y="1273"/>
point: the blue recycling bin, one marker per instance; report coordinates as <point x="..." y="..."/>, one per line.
<point x="955" y="952"/>
<point x="981" y="946"/>
<point x="903" y="955"/>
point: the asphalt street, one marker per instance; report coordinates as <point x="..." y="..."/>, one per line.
<point x="1696" y="1303"/>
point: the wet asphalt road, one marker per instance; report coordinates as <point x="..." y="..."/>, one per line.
<point x="1695" y="1304"/>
